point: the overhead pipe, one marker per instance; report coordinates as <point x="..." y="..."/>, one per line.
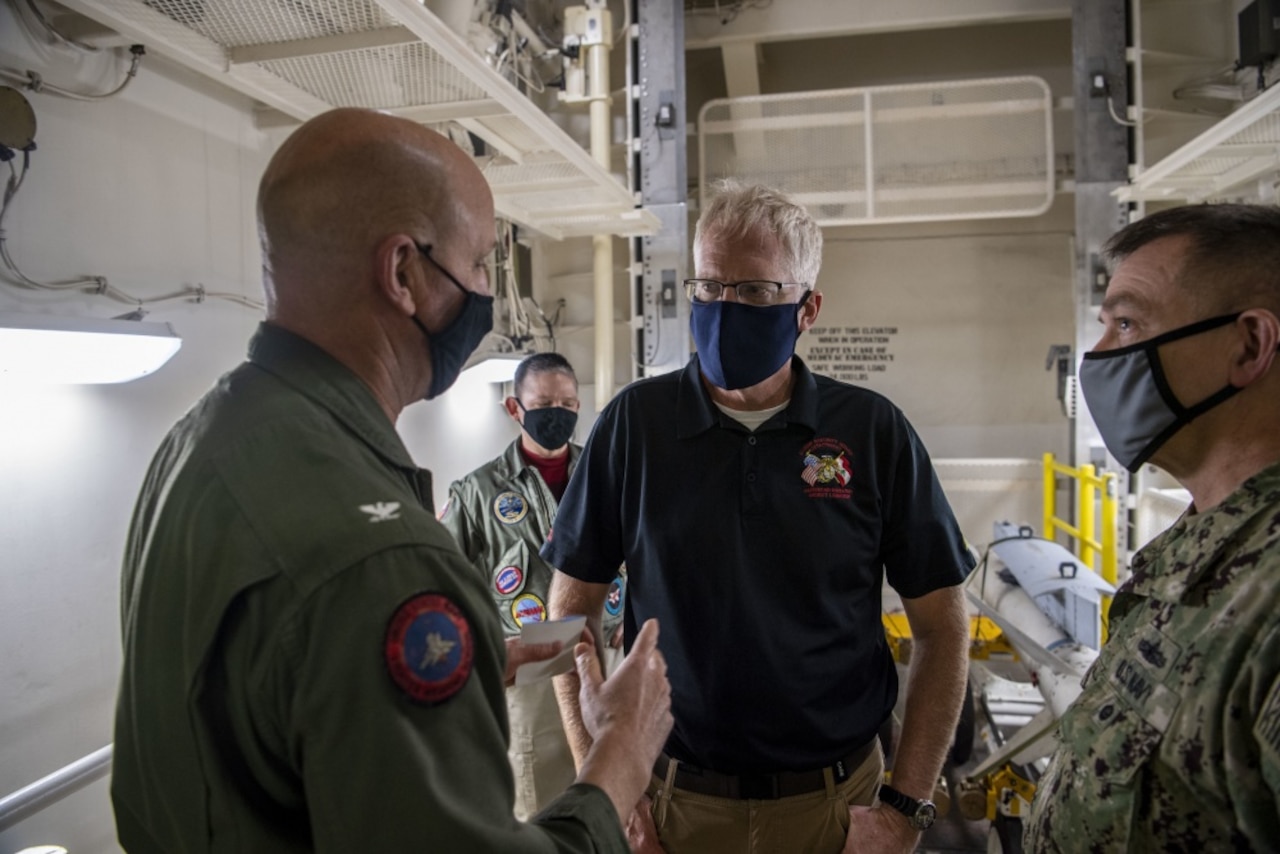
<point x="598" y="44"/>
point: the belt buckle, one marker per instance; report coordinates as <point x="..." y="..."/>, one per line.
<point x="758" y="787"/>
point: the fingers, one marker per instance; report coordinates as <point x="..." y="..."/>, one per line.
<point x="588" y="666"/>
<point x="647" y="640"/>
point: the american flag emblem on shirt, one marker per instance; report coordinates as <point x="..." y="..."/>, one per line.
<point x="825" y="469"/>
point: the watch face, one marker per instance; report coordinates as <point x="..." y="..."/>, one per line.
<point x="925" y="815"/>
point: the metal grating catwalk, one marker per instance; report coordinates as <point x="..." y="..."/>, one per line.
<point x="938" y="151"/>
<point x="1238" y="159"/>
<point x="303" y="57"/>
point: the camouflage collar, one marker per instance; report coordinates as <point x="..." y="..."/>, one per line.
<point x="1191" y="552"/>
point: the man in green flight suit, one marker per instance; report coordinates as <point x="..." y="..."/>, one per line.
<point x="310" y="665"/>
<point x="500" y="515"/>
<point x="1174" y="743"/>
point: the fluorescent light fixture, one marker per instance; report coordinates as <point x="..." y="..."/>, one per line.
<point x="494" y="368"/>
<point x="53" y="349"/>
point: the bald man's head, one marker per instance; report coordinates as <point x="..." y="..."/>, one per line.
<point x="345" y="180"/>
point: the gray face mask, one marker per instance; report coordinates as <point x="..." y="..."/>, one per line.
<point x="1130" y="399"/>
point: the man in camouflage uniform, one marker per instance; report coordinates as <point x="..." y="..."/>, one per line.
<point x="1174" y="744"/>
<point x="500" y="514"/>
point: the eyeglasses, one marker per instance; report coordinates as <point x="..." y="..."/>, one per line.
<point x="752" y="292"/>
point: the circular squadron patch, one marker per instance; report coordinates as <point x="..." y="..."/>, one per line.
<point x="510" y="507"/>
<point x="429" y="648"/>
<point x="616" y="598"/>
<point x="528" y="608"/>
<point x="508" y="580"/>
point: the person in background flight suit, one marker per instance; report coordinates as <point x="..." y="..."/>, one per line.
<point x="1174" y="743"/>
<point x="759" y="509"/>
<point x="500" y="514"/>
<point x="310" y="665"/>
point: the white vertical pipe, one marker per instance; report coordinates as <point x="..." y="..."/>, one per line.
<point x="597" y="61"/>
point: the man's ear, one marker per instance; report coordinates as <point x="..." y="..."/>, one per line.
<point x="809" y="311"/>
<point x="395" y="268"/>
<point x="512" y="408"/>
<point x="1259" y="337"/>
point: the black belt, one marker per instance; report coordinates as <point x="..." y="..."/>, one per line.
<point x="760" y="787"/>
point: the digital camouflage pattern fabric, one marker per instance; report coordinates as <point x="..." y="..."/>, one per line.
<point x="1174" y="744"/>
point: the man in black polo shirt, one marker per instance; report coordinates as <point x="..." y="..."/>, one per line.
<point x="759" y="508"/>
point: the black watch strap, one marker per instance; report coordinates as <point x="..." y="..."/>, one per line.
<point x="920" y="813"/>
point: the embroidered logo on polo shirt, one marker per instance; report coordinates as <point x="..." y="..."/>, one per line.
<point x="382" y="511"/>
<point x="528" y="608"/>
<point x="825" y="469"/>
<point x="510" y="507"/>
<point x="508" y="580"/>
<point x="429" y="648"/>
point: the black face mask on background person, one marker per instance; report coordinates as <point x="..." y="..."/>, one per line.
<point x="452" y="346"/>
<point x="551" y="426"/>
<point x="1131" y="401"/>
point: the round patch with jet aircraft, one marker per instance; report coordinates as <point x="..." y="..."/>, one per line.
<point x="510" y="507"/>
<point x="429" y="648"/>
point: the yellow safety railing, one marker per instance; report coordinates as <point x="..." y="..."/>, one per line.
<point x="1093" y="542"/>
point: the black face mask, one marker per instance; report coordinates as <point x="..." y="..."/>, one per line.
<point x="452" y="346"/>
<point x="551" y="427"/>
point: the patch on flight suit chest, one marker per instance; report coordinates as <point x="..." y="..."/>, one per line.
<point x="617" y="597"/>
<point x="429" y="648"/>
<point x="510" y="507"/>
<point x="528" y="608"/>
<point x="508" y="580"/>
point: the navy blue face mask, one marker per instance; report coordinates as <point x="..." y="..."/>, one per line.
<point x="741" y="345"/>
<point x="452" y="346"/>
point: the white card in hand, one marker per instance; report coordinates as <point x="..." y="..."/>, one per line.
<point x="567" y="631"/>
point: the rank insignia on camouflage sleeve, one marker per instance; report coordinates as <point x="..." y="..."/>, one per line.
<point x="1267" y="728"/>
<point x="429" y="648"/>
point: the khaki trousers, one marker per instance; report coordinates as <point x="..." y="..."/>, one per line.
<point x="540" y="757"/>
<point x="814" y="823"/>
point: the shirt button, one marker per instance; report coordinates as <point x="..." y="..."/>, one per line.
<point x="751" y="440"/>
<point x="751" y="478"/>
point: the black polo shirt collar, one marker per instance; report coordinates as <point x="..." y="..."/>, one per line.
<point x="314" y="373"/>
<point x="696" y="412"/>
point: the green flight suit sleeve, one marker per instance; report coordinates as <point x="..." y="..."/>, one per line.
<point x="459" y="519"/>
<point x="385" y="772"/>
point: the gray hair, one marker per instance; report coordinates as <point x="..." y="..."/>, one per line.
<point x="737" y="210"/>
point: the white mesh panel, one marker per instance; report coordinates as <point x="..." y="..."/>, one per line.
<point x="235" y="23"/>
<point x="957" y="150"/>
<point x="381" y="78"/>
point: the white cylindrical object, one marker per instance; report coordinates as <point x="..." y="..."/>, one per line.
<point x="597" y="61"/>
<point x="1013" y="605"/>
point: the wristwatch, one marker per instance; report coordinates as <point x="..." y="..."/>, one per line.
<point x="921" y="814"/>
